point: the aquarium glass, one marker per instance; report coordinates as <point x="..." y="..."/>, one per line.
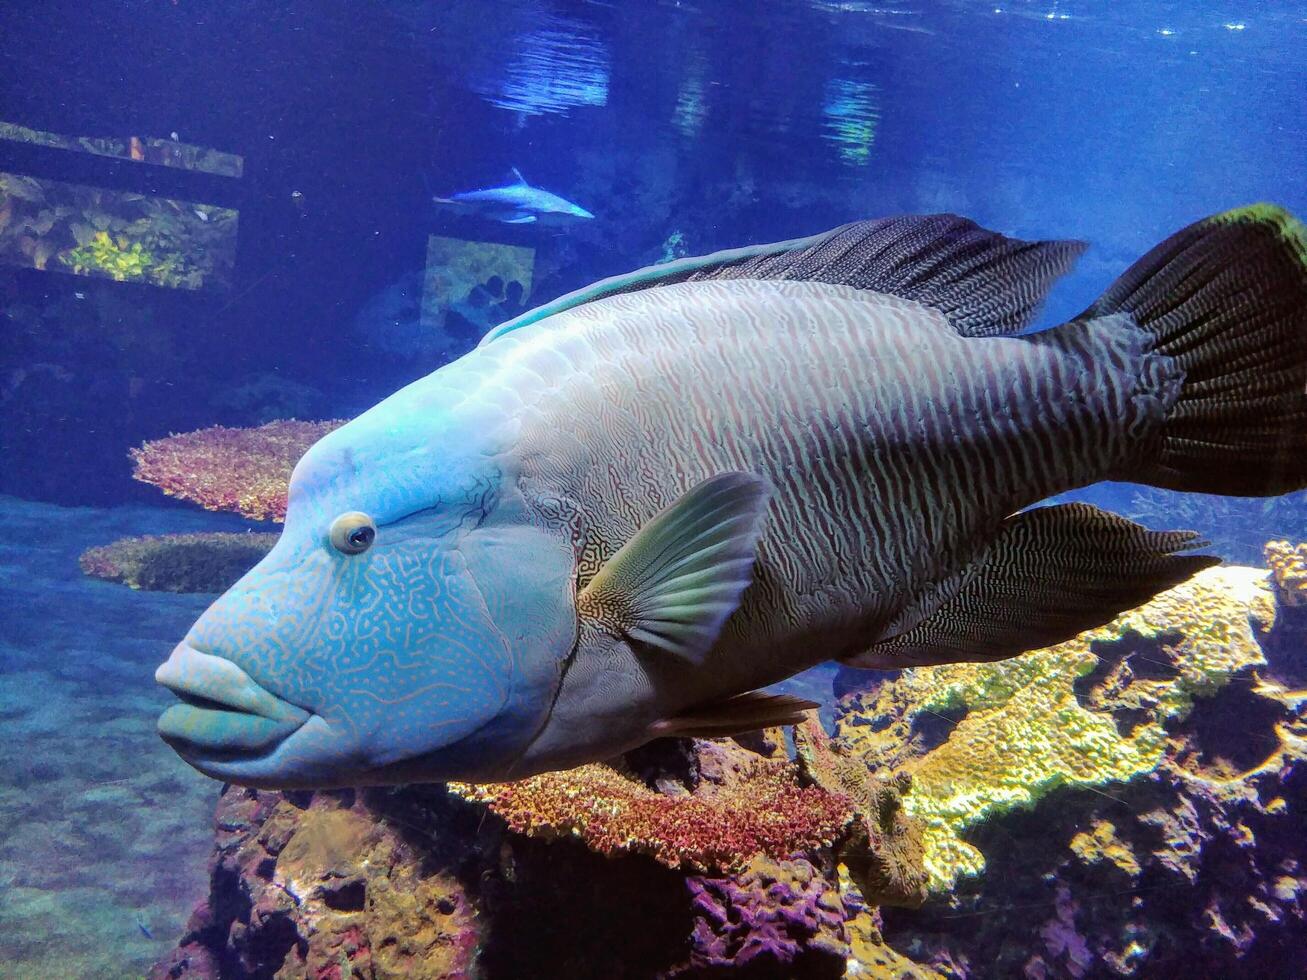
<point x="229" y="229"/>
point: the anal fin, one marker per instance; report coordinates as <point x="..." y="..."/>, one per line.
<point x="734" y="716"/>
<point x="1051" y="573"/>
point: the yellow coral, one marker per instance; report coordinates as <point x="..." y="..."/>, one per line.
<point x="1025" y="730"/>
<point x="364" y="907"/>
<point x="1100" y="843"/>
<point x="1288" y="566"/>
<point x="869" y="955"/>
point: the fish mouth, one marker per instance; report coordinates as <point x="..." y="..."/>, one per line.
<point x="224" y="714"/>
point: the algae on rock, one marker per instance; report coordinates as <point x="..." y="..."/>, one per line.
<point x="1089" y="712"/>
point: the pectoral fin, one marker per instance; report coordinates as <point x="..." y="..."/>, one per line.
<point x="675" y="583"/>
<point x="734" y="716"/>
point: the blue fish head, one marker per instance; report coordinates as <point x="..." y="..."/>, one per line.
<point x="411" y="623"/>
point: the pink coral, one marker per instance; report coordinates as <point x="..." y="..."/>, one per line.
<point x="763" y="811"/>
<point x="242" y="470"/>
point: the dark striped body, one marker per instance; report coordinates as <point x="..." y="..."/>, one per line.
<point x="895" y="447"/>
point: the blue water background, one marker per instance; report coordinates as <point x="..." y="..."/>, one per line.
<point x="685" y="127"/>
<point x="725" y="122"/>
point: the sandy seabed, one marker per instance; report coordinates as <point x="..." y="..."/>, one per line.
<point x="106" y="832"/>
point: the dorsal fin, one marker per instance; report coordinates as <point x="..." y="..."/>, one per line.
<point x="985" y="283"/>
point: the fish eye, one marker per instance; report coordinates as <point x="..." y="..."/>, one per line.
<point x="352" y="533"/>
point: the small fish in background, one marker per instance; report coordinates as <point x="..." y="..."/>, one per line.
<point x="516" y="203"/>
<point x="140" y="924"/>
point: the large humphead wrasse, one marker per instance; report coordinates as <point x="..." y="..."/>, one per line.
<point x="628" y="511"/>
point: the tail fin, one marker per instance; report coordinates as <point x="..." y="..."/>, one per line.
<point x="1226" y="300"/>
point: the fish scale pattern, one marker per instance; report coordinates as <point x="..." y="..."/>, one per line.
<point x="893" y="445"/>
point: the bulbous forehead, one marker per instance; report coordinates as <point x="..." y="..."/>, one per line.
<point x="413" y="452"/>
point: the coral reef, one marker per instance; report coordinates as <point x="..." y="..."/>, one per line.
<point x="883" y="850"/>
<point x="771" y="912"/>
<point x="1138" y="793"/>
<point x="415" y="882"/>
<point x="1286" y="644"/>
<point x="1197" y="861"/>
<point x="242" y="470"/>
<point x="322" y="887"/>
<point x="208" y="561"/>
<point x="1288" y="566"/>
<point x="758" y="809"/>
<point x="982" y="739"/>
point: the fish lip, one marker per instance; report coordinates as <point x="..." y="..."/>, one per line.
<point x="223" y="713"/>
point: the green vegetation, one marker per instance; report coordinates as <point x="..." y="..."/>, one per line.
<point x="122" y="236"/>
<point x="115" y="258"/>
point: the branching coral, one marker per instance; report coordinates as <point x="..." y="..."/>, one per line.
<point x="241" y="470"/>
<point x="206" y="562"/>
<point x="764" y="811"/>
<point x="883" y="848"/>
<point x="980" y="739"/>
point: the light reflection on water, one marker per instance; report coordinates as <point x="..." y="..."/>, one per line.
<point x="841" y="74"/>
<point x="554" y="67"/>
<point x="852" y="113"/>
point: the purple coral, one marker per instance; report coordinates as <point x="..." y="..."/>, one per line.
<point x="774" y="914"/>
